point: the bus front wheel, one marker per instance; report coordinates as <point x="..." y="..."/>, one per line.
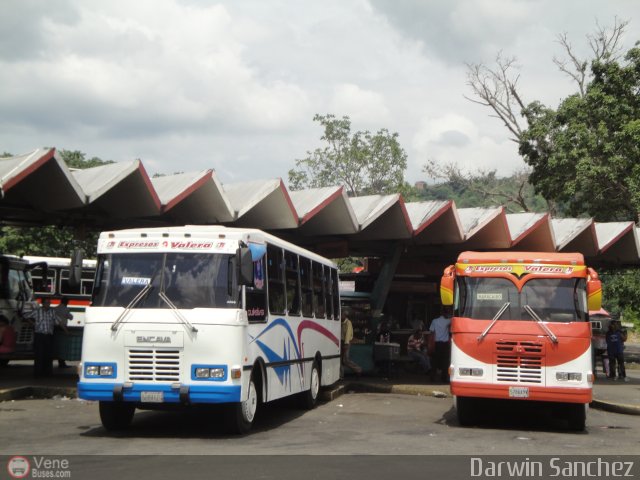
<point x="309" y="399"/>
<point x="242" y="414"/>
<point x="577" y="416"/>
<point x="465" y="410"/>
<point x="116" y="415"/>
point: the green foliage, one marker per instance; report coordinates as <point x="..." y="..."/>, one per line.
<point x="45" y="241"/>
<point x="363" y="162"/>
<point x="484" y="190"/>
<point x="621" y="293"/>
<point x="586" y="154"/>
<point x="77" y="159"/>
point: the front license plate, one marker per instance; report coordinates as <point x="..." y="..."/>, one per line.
<point x="519" y="392"/>
<point x="152" y="397"/>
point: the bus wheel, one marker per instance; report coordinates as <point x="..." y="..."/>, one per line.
<point x="116" y="415"/>
<point x="309" y="399"/>
<point x="576" y="416"/>
<point x="242" y="414"/>
<point x="465" y="411"/>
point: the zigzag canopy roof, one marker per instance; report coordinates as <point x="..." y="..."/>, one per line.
<point x="38" y="188"/>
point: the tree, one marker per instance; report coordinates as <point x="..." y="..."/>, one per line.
<point x="77" y="159"/>
<point x="586" y="153"/>
<point x="363" y="162"/>
<point x="484" y="188"/>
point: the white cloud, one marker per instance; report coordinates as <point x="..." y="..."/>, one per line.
<point x="188" y="85"/>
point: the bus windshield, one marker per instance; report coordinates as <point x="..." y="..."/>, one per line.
<point x="188" y="280"/>
<point x="551" y="299"/>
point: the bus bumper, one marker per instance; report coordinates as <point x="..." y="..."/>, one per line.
<point x="169" y="393"/>
<point x="535" y="393"/>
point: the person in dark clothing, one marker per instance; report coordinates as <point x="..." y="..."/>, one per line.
<point x="615" y="350"/>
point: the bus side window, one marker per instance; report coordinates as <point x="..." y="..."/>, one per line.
<point x="257" y="294"/>
<point x="318" y="290"/>
<point x="275" y="280"/>
<point x="39" y="286"/>
<point x="328" y="291"/>
<point x="293" y="283"/>
<point x="335" y="287"/>
<point x="307" y="292"/>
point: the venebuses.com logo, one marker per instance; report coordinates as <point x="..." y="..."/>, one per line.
<point x="18" y="467"/>
<point x="38" y="467"/>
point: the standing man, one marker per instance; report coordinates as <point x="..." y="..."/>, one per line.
<point x="64" y="315"/>
<point x="347" y="337"/>
<point x="615" y="350"/>
<point x="44" y="319"/>
<point x="440" y="328"/>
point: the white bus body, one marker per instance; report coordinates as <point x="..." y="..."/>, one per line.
<point x="176" y="319"/>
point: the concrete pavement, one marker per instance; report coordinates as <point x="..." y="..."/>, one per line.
<point x="17" y="382"/>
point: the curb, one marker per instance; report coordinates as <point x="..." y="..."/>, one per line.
<point x="615" y="407"/>
<point x="20" y="393"/>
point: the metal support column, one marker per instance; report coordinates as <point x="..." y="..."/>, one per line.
<point x="383" y="282"/>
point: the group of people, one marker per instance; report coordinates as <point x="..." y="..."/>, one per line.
<point x="432" y="358"/>
<point x="44" y="320"/>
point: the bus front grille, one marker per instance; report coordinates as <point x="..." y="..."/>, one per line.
<point x="148" y="364"/>
<point x="513" y="368"/>
<point x="519" y="362"/>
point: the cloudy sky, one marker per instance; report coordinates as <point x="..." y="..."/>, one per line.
<point x="187" y="85"/>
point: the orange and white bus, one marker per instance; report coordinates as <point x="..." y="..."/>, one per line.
<point x="55" y="284"/>
<point x="521" y="331"/>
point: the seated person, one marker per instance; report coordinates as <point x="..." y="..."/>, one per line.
<point x="7" y="336"/>
<point x="417" y="350"/>
<point x="384" y="334"/>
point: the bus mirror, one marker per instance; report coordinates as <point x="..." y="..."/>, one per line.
<point x="245" y="276"/>
<point x="75" y="268"/>
<point x="594" y="290"/>
<point x="446" y="286"/>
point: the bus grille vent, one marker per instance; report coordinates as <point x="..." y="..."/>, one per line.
<point x="150" y="364"/>
<point x="519" y="362"/>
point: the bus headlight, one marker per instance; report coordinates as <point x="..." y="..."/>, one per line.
<point x="569" y="376"/>
<point x="106" y="370"/>
<point x="470" y="372"/>
<point x="209" y="372"/>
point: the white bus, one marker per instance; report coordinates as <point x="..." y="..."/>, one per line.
<point x="207" y="314"/>
<point x="56" y="284"/>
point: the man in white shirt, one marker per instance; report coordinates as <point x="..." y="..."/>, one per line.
<point x="440" y="329"/>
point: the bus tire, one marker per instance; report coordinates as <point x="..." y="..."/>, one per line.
<point x="309" y="399"/>
<point x="242" y="414"/>
<point x="116" y="415"/>
<point x="576" y="416"/>
<point x="465" y="411"/>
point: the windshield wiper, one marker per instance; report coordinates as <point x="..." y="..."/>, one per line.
<point x="531" y="312"/>
<point x="141" y="294"/>
<point x="495" y="319"/>
<point x="176" y="312"/>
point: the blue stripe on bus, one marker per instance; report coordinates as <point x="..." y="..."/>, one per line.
<point x="197" y="393"/>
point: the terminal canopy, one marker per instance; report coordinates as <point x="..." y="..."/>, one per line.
<point x="38" y="188"/>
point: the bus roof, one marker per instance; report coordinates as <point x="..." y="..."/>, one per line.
<point x="193" y="238"/>
<point x="58" y="261"/>
<point x="522" y="257"/>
